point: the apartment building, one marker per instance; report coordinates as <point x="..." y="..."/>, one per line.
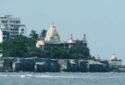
<point x="11" y="27"/>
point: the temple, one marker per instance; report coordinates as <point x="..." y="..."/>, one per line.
<point x="52" y="35"/>
<point x="52" y="38"/>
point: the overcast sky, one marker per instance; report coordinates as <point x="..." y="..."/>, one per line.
<point x="102" y="20"/>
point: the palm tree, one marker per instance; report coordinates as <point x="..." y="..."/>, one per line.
<point x="43" y="34"/>
<point x="34" y="35"/>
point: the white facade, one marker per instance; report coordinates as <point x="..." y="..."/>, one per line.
<point x="52" y="35"/>
<point x="114" y="62"/>
<point x="39" y="43"/>
<point x="71" y="40"/>
<point x="1" y="36"/>
<point x="12" y="25"/>
<point x="1" y="39"/>
<point x="22" y="30"/>
<point x="1" y="32"/>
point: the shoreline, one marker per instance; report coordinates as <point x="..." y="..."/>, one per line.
<point x="43" y="65"/>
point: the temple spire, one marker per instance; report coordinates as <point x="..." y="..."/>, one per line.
<point x="52" y="35"/>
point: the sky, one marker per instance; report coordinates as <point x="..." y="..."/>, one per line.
<point x="103" y="21"/>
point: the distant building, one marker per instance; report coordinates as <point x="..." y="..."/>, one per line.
<point x="1" y="40"/>
<point x="114" y="62"/>
<point x="52" y="36"/>
<point x="1" y="35"/>
<point x="11" y="27"/>
<point x="53" y="39"/>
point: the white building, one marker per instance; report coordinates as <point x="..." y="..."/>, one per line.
<point x="1" y="35"/>
<point x="114" y="62"/>
<point x="52" y="37"/>
<point x="71" y="40"/>
<point x="39" y="43"/>
<point x="12" y="26"/>
<point x="1" y="40"/>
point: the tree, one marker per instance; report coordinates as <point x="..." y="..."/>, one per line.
<point x="79" y="51"/>
<point x="14" y="48"/>
<point x="21" y="47"/>
<point x="36" y="52"/>
<point x="59" y="52"/>
<point x="34" y="35"/>
<point x="43" y="34"/>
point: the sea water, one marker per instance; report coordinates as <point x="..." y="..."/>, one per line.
<point x="62" y="78"/>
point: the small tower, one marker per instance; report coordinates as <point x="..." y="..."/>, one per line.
<point x="84" y="40"/>
<point x="71" y="41"/>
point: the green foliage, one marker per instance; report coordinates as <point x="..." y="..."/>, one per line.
<point x="14" y="48"/>
<point x="36" y="52"/>
<point x="43" y="34"/>
<point x="0" y="45"/>
<point x="80" y="51"/>
<point x="18" y="47"/>
<point x="21" y="47"/>
<point x="34" y="35"/>
<point x="59" y="52"/>
<point x="25" y="47"/>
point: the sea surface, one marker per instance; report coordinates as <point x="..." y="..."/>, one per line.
<point x="62" y="78"/>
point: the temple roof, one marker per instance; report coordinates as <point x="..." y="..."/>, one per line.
<point x="52" y="35"/>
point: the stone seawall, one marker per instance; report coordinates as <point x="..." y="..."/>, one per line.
<point x="51" y="65"/>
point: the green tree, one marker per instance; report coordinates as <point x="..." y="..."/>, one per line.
<point x="79" y="51"/>
<point x="36" y="52"/>
<point x="21" y="47"/>
<point x="43" y="34"/>
<point x="14" y="48"/>
<point x="59" y="52"/>
<point x="34" y="35"/>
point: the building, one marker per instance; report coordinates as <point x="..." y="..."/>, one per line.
<point x="1" y="35"/>
<point x="11" y="27"/>
<point x="1" y="40"/>
<point x="114" y="62"/>
<point x="53" y="39"/>
<point x="52" y="35"/>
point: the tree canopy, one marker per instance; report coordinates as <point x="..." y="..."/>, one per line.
<point x="24" y="46"/>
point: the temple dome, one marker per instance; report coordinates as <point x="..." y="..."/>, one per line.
<point x="71" y="40"/>
<point x="39" y="43"/>
<point x="113" y="57"/>
<point x="52" y="35"/>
